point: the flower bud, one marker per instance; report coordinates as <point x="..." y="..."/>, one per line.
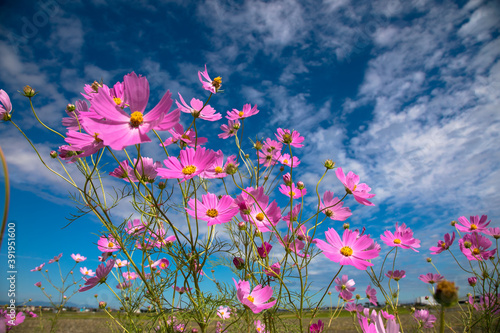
<point x="429" y="259"/>
<point x="446" y="293"/>
<point x="453" y="223"/>
<point x="257" y="233"/>
<point x="329" y="293"/>
<point x="102" y="305"/>
<point x="358" y="296"/>
<point x="472" y="281"/>
<point x="239" y="263"/>
<point x="282" y="168"/>
<point x="346" y="226"/>
<point x="70" y="107"/>
<point x="95" y="86"/>
<point x="300" y="185"/>
<point x="194" y="330"/>
<point x="247" y="155"/>
<point x="287" y="179"/>
<point x="28" y="91"/>
<point x="242" y="226"/>
<point x="161" y="185"/>
<point x="257" y="145"/>
<point x="231" y="169"/>
<point x="53" y="154"/>
<point x="467" y="244"/>
<point x="412" y="309"/>
<point x="426" y="298"/>
<point x="95" y="295"/>
<point x="329" y="164"/>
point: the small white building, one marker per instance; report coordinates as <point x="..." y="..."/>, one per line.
<point x="425" y="300"/>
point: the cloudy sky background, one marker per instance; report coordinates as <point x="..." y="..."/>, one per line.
<point x="403" y="93"/>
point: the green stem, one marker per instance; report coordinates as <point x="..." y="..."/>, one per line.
<point x="7" y="195"/>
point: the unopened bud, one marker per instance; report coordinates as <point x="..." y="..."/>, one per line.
<point x="95" y="86"/>
<point x="429" y="259"/>
<point x="242" y="226"/>
<point x="446" y="293"/>
<point x="239" y="263"/>
<point x="70" y="107"/>
<point x="453" y="223"/>
<point x="28" y="91"/>
<point x="282" y="168"/>
<point x="53" y="154"/>
<point x="358" y="296"/>
<point x="329" y="293"/>
<point x="426" y="298"/>
<point x="287" y="179"/>
<point x="472" y="281"/>
<point x="231" y="169"/>
<point x="329" y="164"/>
<point x="194" y="330"/>
<point x="257" y="233"/>
<point x="257" y="145"/>
<point x="102" y="305"/>
<point x="467" y="244"/>
<point x="247" y="155"/>
<point x="346" y="226"/>
<point x="161" y="185"/>
<point x="300" y="185"/>
<point x="95" y="295"/>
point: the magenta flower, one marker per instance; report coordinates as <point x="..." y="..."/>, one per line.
<point x="431" y="278"/>
<point x="396" y="275"/>
<point x="424" y="318"/>
<point x="371" y="294"/>
<point x="125" y="172"/>
<point x="352" y="249"/>
<point x="135" y="227"/>
<point x="292" y="138"/>
<point x="475" y="224"/>
<point x="259" y="326"/>
<point x="317" y="327"/>
<point x="87" y="272"/>
<point x="291" y="162"/>
<point x="121" y="263"/>
<point x="161" y="263"/>
<point x="192" y="163"/>
<point x="443" y="245"/>
<point x="83" y="144"/>
<point x="55" y="259"/>
<point x="102" y="273"/>
<point x="472" y="281"/>
<point x="403" y="238"/>
<point x="332" y="207"/>
<point x="108" y="244"/>
<point x="352" y="186"/>
<point x="268" y="158"/>
<point x="159" y="240"/>
<point x="38" y="268"/>
<point x="248" y="198"/>
<point x="256" y="299"/>
<point x="488" y="303"/>
<point x="208" y="84"/>
<point x="78" y="258"/>
<point x="185" y="137"/>
<point x="181" y="290"/>
<point x="294" y="246"/>
<point x="353" y="307"/>
<point x="375" y="324"/>
<point x="495" y="232"/>
<point x="292" y="191"/>
<point x="146" y="169"/>
<point x="264" y="250"/>
<point x="14" y="320"/>
<point x="198" y="110"/>
<point x="262" y="214"/>
<point x="474" y="246"/>
<point x="38" y="284"/>
<point x="247" y="111"/>
<point x="345" y="287"/>
<point x="218" y="168"/>
<point x="230" y="129"/>
<point x="124" y="285"/>
<point x="274" y="270"/>
<point x="223" y="312"/>
<point x="212" y="209"/>
<point x="130" y="276"/>
<point x="238" y="262"/>
<point x="5" y="106"/>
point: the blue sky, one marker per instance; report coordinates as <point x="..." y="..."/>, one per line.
<point x="403" y="93"/>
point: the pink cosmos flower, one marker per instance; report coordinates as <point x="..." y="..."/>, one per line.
<point x="32" y="314"/>
<point x="38" y="284"/>
<point x="192" y="163"/>
<point x="431" y="278"/>
<point x="403" y="238"/>
<point x="108" y="244"/>
<point x="121" y="263"/>
<point x="274" y="270"/>
<point x="198" y="109"/>
<point x="55" y="259"/>
<point x="146" y="169"/>
<point x="317" y="327"/>
<point x="291" y="162"/>
<point x="352" y="249"/>
<point x="159" y="240"/>
<point x="264" y="250"/>
<point x="72" y="123"/>
<point x="218" y="168"/>
<point x="396" y="275"/>
<point x="181" y="290"/>
<point x="332" y="207"/>
<point x="230" y="129"/>
<point x="238" y="262"/>
<point x="268" y="158"/>
<point x="83" y="144"/>
<point x="475" y="224"/>
<point x="124" y="285"/>
<point x="247" y="111"/>
<point x="474" y="246"/>
<point x="352" y="186"/>
<point x="125" y="172"/>
<point x="208" y="84"/>
<point x="256" y="299"/>
<point x="38" y="268"/>
<point x="5" y="106"/>
<point x="472" y="281"/>
<point x="488" y="303"/>
<point x="78" y="258"/>
<point x="261" y="213"/>
<point x="86" y="271"/>
<point x="130" y="276"/>
<point x="292" y="191"/>
<point x="135" y="227"/>
<point x="184" y="137"/>
<point x="271" y="145"/>
<point x="16" y="320"/>
<point x="375" y="324"/>
<point x="443" y="245"/>
<point x="292" y="138"/>
<point x="353" y="307"/>
<point x="102" y="273"/>
<point x="162" y="263"/>
<point x="371" y="294"/>
<point x="294" y="246"/>
<point x="259" y="326"/>
<point x="248" y="198"/>
<point x="424" y="318"/>
<point x="345" y="287"/>
<point x="223" y="312"/>
<point x="495" y="232"/>
<point x="212" y="209"/>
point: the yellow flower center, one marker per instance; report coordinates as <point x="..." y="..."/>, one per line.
<point x="96" y="138"/>
<point x="240" y="113"/>
<point x="443" y="245"/>
<point x="259" y="217"/>
<point x="397" y="241"/>
<point x="259" y="329"/>
<point x="476" y="252"/>
<point x="189" y="170"/>
<point x="473" y="227"/>
<point x="285" y="161"/>
<point x="111" y="245"/>
<point x="212" y="212"/>
<point x="292" y="194"/>
<point x="250" y="298"/>
<point x="218" y="169"/>
<point x="186" y="137"/>
<point x="136" y="119"/>
<point x="162" y="265"/>
<point x="118" y="100"/>
<point x="217" y="82"/>
<point x="346" y="251"/>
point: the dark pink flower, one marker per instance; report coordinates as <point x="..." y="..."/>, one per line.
<point x="472" y="281"/>
<point x="274" y="270"/>
<point x="5" y="106"/>
<point x="83" y="144"/>
<point x="38" y="268"/>
<point x="247" y="111"/>
<point x="107" y="244"/>
<point x="181" y="290"/>
<point x="431" y="278"/>
<point x="475" y="224"/>
<point x="161" y="263"/>
<point x="208" y="84"/>
<point x="184" y="137"/>
<point x="345" y="287"/>
<point x="396" y="275"/>
<point x="125" y="172"/>
<point x="474" y="246"/>
<point x="292" y="191"/>
<point x="15" y="320"/>
<point x="443" y="245"/>
<point x="332" y="207"/>
<point x="403" y="238"/>
<point x="38" y="284"/>
<point x="352" y="249"/>
<point x="292" y="138"/>
<point x="371" y="294"/>
<point x="198" y="109"/>
<point x="264" y="250"/>
<point x="230" y="129"/>
<point x="352" y="186"/>
<point x="102" y="273"/>
<point x="190" y="164"/>
<point x="495" y="232"/>
<point x="256" y="299"/>
<point x="425" y="319"/>
<point x="239" y="263"/>
<point x="488" y="303"/>
<point x="353" y="307"/>
<point x="294" y="246"/>
<point x="317" y="327"/>
<point x="135" y="227"/>
<point x="55" y="259"/>
<point x="212" y="209"/>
